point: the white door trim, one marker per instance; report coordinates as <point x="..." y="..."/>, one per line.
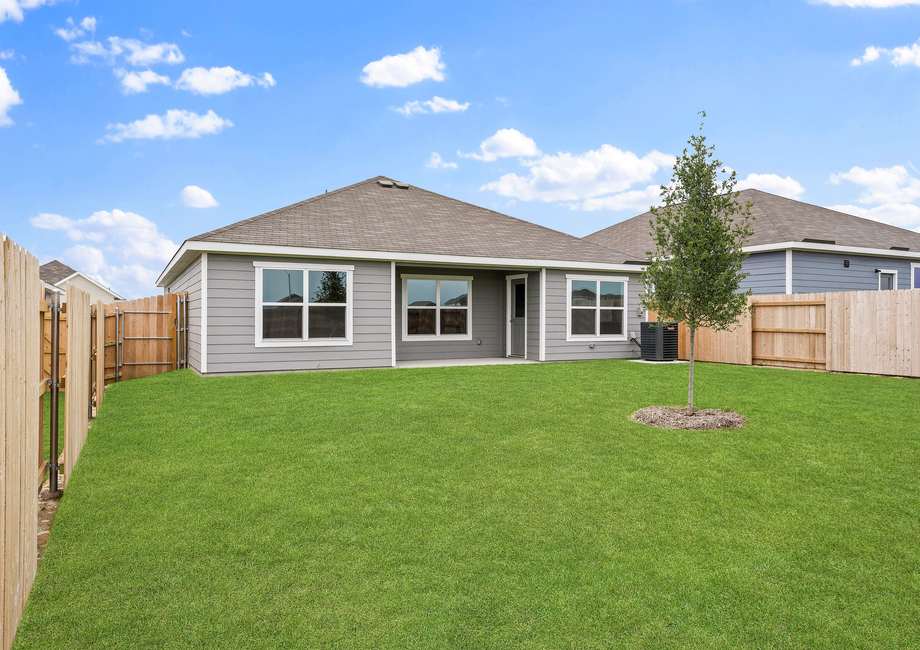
<point x="508" y="311"/>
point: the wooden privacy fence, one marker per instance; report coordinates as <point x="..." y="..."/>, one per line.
<point x="21" y="291"/>
<point x="97" y="345"/>
<point x="134" y="338"/>
<point x="871" y="332"/>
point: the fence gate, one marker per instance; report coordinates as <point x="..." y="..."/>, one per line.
<point x="145" y="337"/>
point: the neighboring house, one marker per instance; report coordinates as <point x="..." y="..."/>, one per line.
<point x="56" y="274"/>
<point x="802" y="248"/>
<point x="380" y="273"/>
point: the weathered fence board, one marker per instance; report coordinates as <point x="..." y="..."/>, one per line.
<point x="20" y="360"/>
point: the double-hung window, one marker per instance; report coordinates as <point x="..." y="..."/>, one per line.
<point x="437" y="307"/>
<point x="596" y="308"/>
<point x="299" y="304"/>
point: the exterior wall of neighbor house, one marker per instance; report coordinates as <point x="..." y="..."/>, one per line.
<point x="767" y="273"/>
<point x="232" y="311"/>
<point x="558" y="349"/>
<point x="190" y="280"/>
<point x="487" y="298"/>
<point x="533" y="315"/>
<point x="814" y="272"/>
<point x="95" y="293"/>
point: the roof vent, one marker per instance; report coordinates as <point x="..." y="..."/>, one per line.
<point x="899" y="248"/>
<point x="385" y="183"/>
<point x="819" y="241"/>
<point x="401" y="186"/>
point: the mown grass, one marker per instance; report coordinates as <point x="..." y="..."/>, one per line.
<point x="488" y="507"/>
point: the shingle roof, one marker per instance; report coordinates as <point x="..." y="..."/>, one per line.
<point x="368" y="217"/>
<point x="54" y="271"/>
<point x="777" y="220"/>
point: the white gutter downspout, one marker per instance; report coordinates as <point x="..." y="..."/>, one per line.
<point x="204" y="313"/>
<point x="543" y="314"/>
<point x="788" y="271"/>
<point x="393" y="314"/>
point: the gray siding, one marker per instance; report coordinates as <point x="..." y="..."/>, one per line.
<point x="231" y="320"/>
<point x="190" y="280"/>
<point x="533" y="315"/>
<point x="814" y="272"/>
<point x="768" y="273"/>
<point x="488" y="318"/>
<point x="558" y="349"/>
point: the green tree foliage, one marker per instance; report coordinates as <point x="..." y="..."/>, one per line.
<point x="694" y="273"/>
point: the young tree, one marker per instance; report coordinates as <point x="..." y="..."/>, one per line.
<point x="694" y="273"/>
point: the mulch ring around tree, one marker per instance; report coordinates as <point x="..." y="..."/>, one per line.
<point x="675" y="417"/>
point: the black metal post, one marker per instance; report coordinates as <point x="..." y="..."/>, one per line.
<point x="55" y="389"/>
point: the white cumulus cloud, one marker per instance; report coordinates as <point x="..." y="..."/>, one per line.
<point x="8" y="98"/>
<point x="882" y="185"/>
<point x="131" y="50"/>
<point x="436" y="162"/>
<point x="576" y="177"/>
<point x="137" y="82"/>
<point x="904" y="55"/>
<point x="506" y="143"/>
<point x="196" y="197"/>
<point x="636" y="200"/>
<point x="772" y="183"/>
<point x="434" y="105"/>
<point x="401" y="70"/>
<point x="128" y="254"/>
<point x="14" y="9"/>
<point x="202" y="81"/>
<point x="902" y="215"/>
<point x="174" y="124"/>
<point x="7" y="54"/>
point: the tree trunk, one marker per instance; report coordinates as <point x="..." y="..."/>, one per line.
<point x="690" y="395"/>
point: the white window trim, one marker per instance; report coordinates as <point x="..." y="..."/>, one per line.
<point x="509" y="280"/>
<point x="306" y="268"/>
<point x="568" y="308"/>
<point x="891" y="272"/>
<point x="913" y="274"/>
<point x="437" y="337"/>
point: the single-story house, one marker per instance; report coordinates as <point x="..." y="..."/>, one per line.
<point x="56" y="274"/>
<point x="802" y="248"/>
<point x="382" y="273"/>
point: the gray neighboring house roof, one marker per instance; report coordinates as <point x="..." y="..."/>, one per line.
<point x="54" y="271"/>
<point x="369" y="217"/>
<point x="777" y="220"/>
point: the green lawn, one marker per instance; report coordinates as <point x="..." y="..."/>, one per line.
<point x="489" y="507"/>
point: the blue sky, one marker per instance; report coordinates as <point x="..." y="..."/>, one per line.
<point x="127" y="127"/>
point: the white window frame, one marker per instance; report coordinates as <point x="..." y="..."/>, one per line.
<point x="438" y="307"/>
<point x="913" y="275"/>
<point x="894" y="273"/>
<point x="568" y="309"/>
<point x="348" y="270"/>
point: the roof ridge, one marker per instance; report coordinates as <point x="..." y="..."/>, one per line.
<point x="270" y="213"/>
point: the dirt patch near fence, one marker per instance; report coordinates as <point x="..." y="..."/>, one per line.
<point x="675" y="417"/>
<point x="47" y="508"/>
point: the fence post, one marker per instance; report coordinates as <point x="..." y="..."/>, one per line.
<point x="55" y="391"/>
